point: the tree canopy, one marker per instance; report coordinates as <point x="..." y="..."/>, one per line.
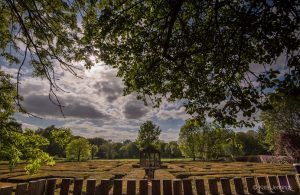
<point x="148" y="135"/>
<point x="203" y="52"/>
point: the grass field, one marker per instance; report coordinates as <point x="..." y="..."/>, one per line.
<point x="111" y="169"/>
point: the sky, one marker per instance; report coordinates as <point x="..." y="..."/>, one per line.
<point x="94" y="105"/>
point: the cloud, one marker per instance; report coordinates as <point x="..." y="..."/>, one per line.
<point x="74" y="108"/>
<point x="94" y="106"/>
<point x="135" y="109"/>
<point x="175" y="113"/>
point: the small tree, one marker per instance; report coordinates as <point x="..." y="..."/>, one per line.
<point x="148" y="135"/>
<point x="189" y="139"/>
<point x="78" y="149"/>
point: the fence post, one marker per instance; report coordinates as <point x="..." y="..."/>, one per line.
<point x="65" y="186"/>
<point x="238" y="185"/>
<point x="293" y="182"/>
<point x="143" y="186"/>
<point x="6" y="190"/>
<point x="200" y="187"/>
<point x="167" y="187"/>
<point x="90" y="186"/>
<point x="177" y="187"/>
<point x="283" y="183"/>
<point x="50" y="188"/>
<point x="274" y="183"/>
<point x="78" y="182"/>
<point x="21" y="188"/>
<point x="32" y="187"/>
<point x="117" y="188"/>
<point x="226" y="186"/>
<point x="187" y="186"/>
<point x="104" y="187"/>
<point x="263" y="186"/>
<point x="155" y="186"/>
<point x="131" y="185"/>
<point x="213" y="186"/>
<point x="251" y="185"/>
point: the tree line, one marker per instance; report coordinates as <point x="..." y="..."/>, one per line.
<point x="198" y="139"/>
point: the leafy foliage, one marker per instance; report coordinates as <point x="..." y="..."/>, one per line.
<point x="94" y="150"/>
<point x="148" y="135"/>
<point x="78" y="149"/>
<point x="218" y="56"/>
<point x="58" y="139"/>
<point x="14" y="144"/>
<point x="282" y="121"/>
<point x="208" y="141"/>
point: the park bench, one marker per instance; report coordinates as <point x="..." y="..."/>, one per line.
<point x="283" y="184"/>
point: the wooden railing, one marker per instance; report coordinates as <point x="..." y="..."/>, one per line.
<point x="247" y="185"/>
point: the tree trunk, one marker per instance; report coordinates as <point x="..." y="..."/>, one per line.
<point x="78" y="157"/>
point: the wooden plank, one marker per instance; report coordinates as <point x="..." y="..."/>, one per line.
<point x="283" y="183"/>
<point x="251" y="185"/>
<point x="177" y="187"/>
<point x="131" y="187"/>
<point x="104" y="187"/>
<point x="21" y="188"/>
<point x="274" y="185"/>
<point x="117" y="189"/>
<point x="65" y="186"/>
<point x="143" y="187"/>
<point x="156" y="186"/>
<point x="293" y="182"/>
<point x="226" y="186"/>
<point x="187" y="186"/>
<point x="32" y="187"/>
<point x="167" y="187"/>
<point x="263" y="186"/>
<point x="200" y="187"/>
<point x="213" y="186"/>
<point x="90" y="187"/>
<point x="6" y="190"/>
<point x="50" y="187"/>
<point x="41" y="186"/>
<point x="238" y="185"/>
<point x="78" y="183"/>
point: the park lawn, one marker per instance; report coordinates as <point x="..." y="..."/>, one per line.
<point x="112" y="169"/>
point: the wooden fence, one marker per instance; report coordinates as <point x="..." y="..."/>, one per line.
<point x="249" y="185"/>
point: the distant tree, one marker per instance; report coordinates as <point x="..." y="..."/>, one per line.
<point x="148" y="135"/>
<point x="62" y="136"/>
<point x="129" y="150"/>
<point x="171" y="150"/>
<point x="189" y="139"/>
<point x="78" y="149"/>
<point x="58" y="138"/>
<point x="252" y="143"/>
<point x="98" y="141"/>
<point x="233" y="146"/>
<point x="94" y="150"/>
<point x="282" y="122"/>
